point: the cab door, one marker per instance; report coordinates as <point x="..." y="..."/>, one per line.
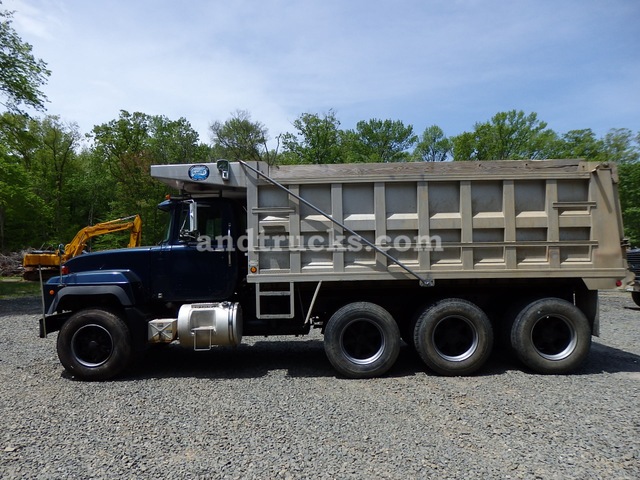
<point x="200" y="264"/>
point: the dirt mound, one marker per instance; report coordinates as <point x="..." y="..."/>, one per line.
<point x="11" y="264"/>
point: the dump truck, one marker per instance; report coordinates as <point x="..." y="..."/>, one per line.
<point x="442" y="258"/>
<point x="46" y="263"/>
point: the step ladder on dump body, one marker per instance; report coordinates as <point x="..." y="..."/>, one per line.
<point x="275" y="291"/>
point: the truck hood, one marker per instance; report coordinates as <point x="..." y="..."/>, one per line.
<point x="134" y="259"/>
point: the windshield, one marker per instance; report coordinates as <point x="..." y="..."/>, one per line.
<point x="165" y="218"/>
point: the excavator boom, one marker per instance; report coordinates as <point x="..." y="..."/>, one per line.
<point x="49" y="262"/>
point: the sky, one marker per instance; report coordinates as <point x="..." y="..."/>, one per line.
<point x="450" y="63"/>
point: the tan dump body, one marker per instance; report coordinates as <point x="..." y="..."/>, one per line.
<point x="460" y="220"/>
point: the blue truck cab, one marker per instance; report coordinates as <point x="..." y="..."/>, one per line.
<point x="196" y="262"/>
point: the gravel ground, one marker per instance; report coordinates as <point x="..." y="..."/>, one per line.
<point x="274" y="408"/>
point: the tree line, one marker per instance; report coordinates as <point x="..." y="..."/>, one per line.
<point x="55" y="180"/>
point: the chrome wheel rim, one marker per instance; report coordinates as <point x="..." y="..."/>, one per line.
<point x="455" y="338"/>
<point x="554" y="337"/>
<point x="362" y="341"/>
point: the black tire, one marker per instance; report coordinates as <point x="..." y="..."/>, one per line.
<point x="551" y="336"/>
<point x="94" y="345"/>
<point x="453" y="337"/>
<point x="362" y="340"/>
<point x="635" y="296"/>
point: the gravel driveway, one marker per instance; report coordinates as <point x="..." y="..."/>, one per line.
<point x="274" y="408"/>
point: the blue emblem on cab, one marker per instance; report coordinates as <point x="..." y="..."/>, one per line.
<point x="198" y="172"/>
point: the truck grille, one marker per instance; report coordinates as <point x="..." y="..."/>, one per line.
<point x="633" y="259"/>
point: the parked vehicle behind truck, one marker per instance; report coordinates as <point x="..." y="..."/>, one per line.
<point x="633" y="259"/>
<point x="447" y="257"/>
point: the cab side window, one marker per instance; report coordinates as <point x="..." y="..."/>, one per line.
<point x="209" y="221"/>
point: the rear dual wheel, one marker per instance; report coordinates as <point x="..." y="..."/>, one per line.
<point x="551" y="336"/>
<point x="362" y="340"/>
<point x="453" y="337"/>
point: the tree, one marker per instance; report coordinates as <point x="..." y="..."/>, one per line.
<point x="46" y="150"/>
<point x="381" y="141"/>
<point x="580" y="144"/>
<point x="629" y="188"/>
<point x="317" y="140"/>
<point x="21" y="74"/>
<point x="53" y="163"/>
<point x="126" y="148"/>
<point x="18" y="137"/>
<point x="619" y="146"/>
<point x="175" y="141"/>
<point x="433" y="146"/>
<point x="238" y="138"/>
<point x="509" y="135"/>
<point x="21" y="210"/>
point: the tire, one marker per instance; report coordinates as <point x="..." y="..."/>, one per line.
<point x="635" y="296"/>
<point x="94" y="345"/>
<point x="362" y="340"/>
<point x="453" y="337"/>
<point x="551" y="336"/>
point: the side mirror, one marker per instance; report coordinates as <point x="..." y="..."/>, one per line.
<point x="191" y="234"/>
<point x="193" y="216"/>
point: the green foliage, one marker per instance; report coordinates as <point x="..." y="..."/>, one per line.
<point x="381" y="141"/>
<point x="433" y="146"/>
<point x="44" y="153"/>
<point x="580" y="144"/>
<point x="50" y="187"/>
<point x="629" y="189"/>
<point x="238" y="138"/>
<point x="508" y="136"/>
<point x="619" y="146"/>
<point x="317" y="140"/>
<point x="123" y="152"/>
<point x="21" y="74"/>
<point x="22" y="212"/>
<point x="90" y="193"/>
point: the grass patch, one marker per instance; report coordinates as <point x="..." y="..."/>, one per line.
<point x="12" y="287"/>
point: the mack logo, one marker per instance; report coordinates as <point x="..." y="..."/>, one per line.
<point x="198" y="172"/>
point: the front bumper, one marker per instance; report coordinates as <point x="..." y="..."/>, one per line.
<point x="52" y="323"/>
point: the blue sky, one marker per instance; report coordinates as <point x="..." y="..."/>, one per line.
<point x="451" y="63"/>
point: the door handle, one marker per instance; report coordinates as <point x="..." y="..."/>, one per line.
<point x="229" y="244"/>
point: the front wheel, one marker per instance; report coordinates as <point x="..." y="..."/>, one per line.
<point x="362" y="340"/>
<point x="94" y="345"/>
<point x="551" y="336"/>
<point x="635" y="296"/>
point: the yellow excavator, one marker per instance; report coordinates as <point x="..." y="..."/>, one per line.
<point x="48" y="262"/>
